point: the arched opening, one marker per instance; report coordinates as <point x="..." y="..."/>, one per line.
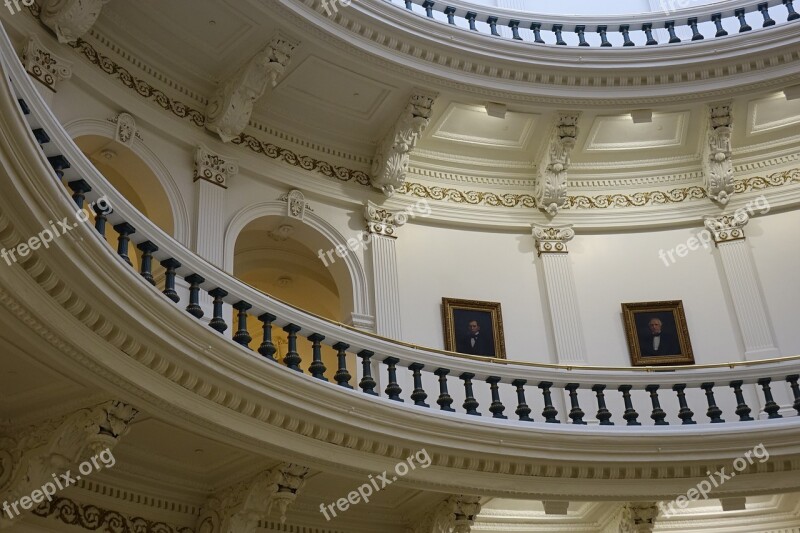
<point x="279" y="256"/>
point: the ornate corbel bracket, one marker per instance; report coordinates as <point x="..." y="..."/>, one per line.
<point x="638" y="517"/>
<point x="550" y="190"/>
<point x="381" y="221"/>
<point x="552" y="239"/>
<point x="456" y="514"/>
<point x="727" y="228"/>
<point x="43" y="65"/>
<point x="717" y="164"/>
<point x="213" y="168"/>
<point x="240" y="507"/>
<point x="70" y="19"/>
<point x="390" y="164"/>
<point x="229" y="110"/>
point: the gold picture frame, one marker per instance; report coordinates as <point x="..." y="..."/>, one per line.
<point x="461" y="320"/>
<point x="657" y="333"/>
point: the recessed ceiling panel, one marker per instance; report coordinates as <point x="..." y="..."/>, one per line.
<point x="620" y="133"/>
<point x="772" y="113"/>
<point x="470" y="124"/>
<point x="343" y="91"/>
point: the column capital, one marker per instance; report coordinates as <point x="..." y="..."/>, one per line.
<point x="727" y="228"/>
<point x="43" y="65"/>
<point x="552" y="238"/>
<point x="213" y="168"/>
<point x="381" y="221"/>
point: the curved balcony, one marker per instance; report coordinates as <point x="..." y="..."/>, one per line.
<point x="655" y="413"/>
<point x="716" y="20"/>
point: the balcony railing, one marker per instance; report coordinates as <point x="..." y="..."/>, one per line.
<point x="693" y="24"/>
<point x="666" y="395"/>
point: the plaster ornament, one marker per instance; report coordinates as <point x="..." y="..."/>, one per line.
<point x="70" y="19"/>
<point x="213" y="168"/>
<point x="550" y="190"/>
<point x="717" y="165"/>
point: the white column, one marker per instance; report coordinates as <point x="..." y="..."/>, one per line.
<point x="211" y="175"/>
<point x="382" y="225"/>
<point x="551" y="244"/>
<point x="743" y="284"/>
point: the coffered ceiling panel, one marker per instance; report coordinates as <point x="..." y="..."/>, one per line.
<point x="471" y="124"/>
<point x="771" y="113"/>
<point x="616" y="133"/>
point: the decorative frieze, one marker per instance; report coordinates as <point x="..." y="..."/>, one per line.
<point x="717" y="164"/>
<point x="381" y="221"/>
<point x="213" y="168"/>
<point x="551" y="186"/>
<point x="239" y="507"/>
<point x="552" y="239"/>
<point x="43" y="65"/>
<point x="390" y="164"/>
<point x="229" y="110"/>
<point x="70" y="19"/>
<point x="726" y="228"/>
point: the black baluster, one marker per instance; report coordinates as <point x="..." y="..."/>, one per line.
<point x="194" y="309"/>
<point x="171" y="265"/>
<point x="536" y="28"/>
<point x="23" y="106"/>
<point x="684" y="413"/>
<point x="557" y="29"/>
<point x="670" y="27"/>
<point x="148" y="249"/>
<point x="575" y="413"/>
<point x="471" y="18"/>
<point x="630" y="413"/>
<point x="771" y="408"/>
<point x="367" y="382"/>
<point x="217" y="322"/>
<point x="581" y="31"/>
<point x="342" y="375"/>
<point x="292" y="359"/>
<point x="764" y="8"/>
<point x="418" y="394"/>
<point x="496" y="407"/>
<point x="101" y="217"/>
<point x="470" y="403"/>
<point x="317" y="367"/>
<point x="658" y="415"/>
<point x="267" y="348"/>
<point x="59" y="164"/>
<point x="393" y="389"/>
<point x="79" y="190"/>
<point x="450" y="12"/>
<point x="714" y="411"/>
<point x="514" y="25"/>
<point x="625" y="30"/>
<point x="409" y="5"/>
<point x="41" y="136"/>
<point x="242" y="336"/>
<point x="125" y="231"/>
<point x="428" y="5"/>
<point x="603" y="31"/>
<point x="549" y="412"/>
<point x="696" y="35"/>
<point x="743" y="25"/>
<point x="795" y="390"/>
<point x="523" y="411"/>
<point x="445" y="399"/>
<point x="603" y="414"/>
<point x="742" y="409"/>
<point x="492" y="21"/>
<point x="716" y="18"/>
<point x="648" y="32"/>
<point x="793" y="15"/>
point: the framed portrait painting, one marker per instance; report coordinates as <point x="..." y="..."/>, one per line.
<point x="657" y="333"/>
<point x="473" y="327"/>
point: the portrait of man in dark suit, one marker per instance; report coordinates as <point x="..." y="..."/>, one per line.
<point x="657" y="335"/>
<point x="474" y="342"/>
